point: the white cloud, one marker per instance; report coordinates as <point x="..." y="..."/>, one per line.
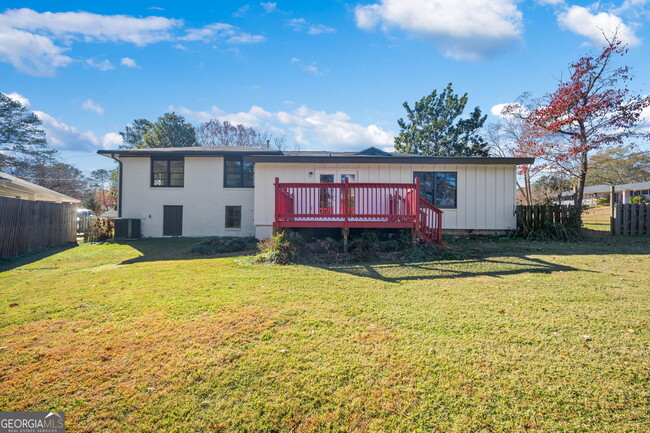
<point x="102" y="65"/>
<point x="497" y="109"/>
<point x="62" y="136"/>
<point x="90" y="105"/>
<point x="269" y="7"/>
<point x="128" y="62"/>
<point x="38" y="43"/>
<point x="112" y="140"/>
<point x="550" y="2"/>
<point x="582" y="21"/>
<point x="313" y="69"/>
<point x="300" y="25"/>
<point x="311" y="129"/>
<point x="30" y="53"/>
<point x="231" y="34"/>
<point x="241" y="11"/>
<point x="307" y="67"/>
<point x="317" y="29"/>
<point x="18" y="97"/>
<point x="91" y="27"/>
<point x="462" y="29"/>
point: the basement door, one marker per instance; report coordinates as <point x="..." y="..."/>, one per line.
<point x="172" y="220"/>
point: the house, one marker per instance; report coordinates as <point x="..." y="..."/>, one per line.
<point x="623" y="193"/>
<point x="15" y="187"/>
<point x="237" y="191"/>
<point x="33" y="217"/>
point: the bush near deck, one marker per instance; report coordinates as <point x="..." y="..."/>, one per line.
<point x="515" y="336"/>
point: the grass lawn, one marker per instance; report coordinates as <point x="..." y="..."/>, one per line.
<point x="520" y="336"/>
<point x="597" y="218"/>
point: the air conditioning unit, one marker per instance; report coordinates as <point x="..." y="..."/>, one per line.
<point x="127" y="228"/>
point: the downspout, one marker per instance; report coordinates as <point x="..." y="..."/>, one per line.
<point x="119" y="186"/>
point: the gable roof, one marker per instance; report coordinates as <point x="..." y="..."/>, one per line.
<point x="373" y="151"/>
<point x="12" y="186"/>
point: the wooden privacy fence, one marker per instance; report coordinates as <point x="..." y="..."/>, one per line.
<point x="539" y="217"/>
<point x="631" y="219"/>
<point x="29" y="225"/>
<point x="552" y="221"/>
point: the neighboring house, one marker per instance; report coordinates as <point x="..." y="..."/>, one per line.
<point x="15" y="187"/>
<point x="232" y="191"/>
<point x="33" y="217"/>
<point x="623" y="193"/>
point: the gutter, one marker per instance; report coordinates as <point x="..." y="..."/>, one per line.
<point x="119" y="186"/>
<point x="359" y="159"/>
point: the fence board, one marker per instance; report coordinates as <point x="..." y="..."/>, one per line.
<point x="27" y="225"/>
<point x="631" y="219"/>
<point x="541" y="217"/>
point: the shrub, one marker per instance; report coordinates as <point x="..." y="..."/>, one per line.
<point x="602" y="201"/>
<point x="281" y="249"/>
<point x="638" y="199"/>
<point x="224" y="245"/>
<point x="101" y="230"/>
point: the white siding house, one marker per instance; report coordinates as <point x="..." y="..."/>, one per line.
<point x="485" y="193"/>
<point x="213" y="191"/>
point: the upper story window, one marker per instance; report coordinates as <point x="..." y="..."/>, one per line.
<point x="237" y="173"/>
<point x="167" y="172"/>
<point x="438" y="187"/>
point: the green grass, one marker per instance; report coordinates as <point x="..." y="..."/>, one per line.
<point x="520" y="336"/>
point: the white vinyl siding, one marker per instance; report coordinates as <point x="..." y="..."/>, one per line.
<point x="485" y="193"/>
<point x="203" y="197"/>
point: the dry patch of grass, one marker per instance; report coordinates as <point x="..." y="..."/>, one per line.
<point x="110" y="372"/>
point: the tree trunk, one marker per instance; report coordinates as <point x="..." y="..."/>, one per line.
<point x="582" y="177"/>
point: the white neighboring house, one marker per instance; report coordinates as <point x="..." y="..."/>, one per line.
<point x="230" y="191"/>
<point x="623" y="193"/>
<point x="15" y="187"/>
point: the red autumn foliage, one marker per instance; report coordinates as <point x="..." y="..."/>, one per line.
<point x="593" y="109"/>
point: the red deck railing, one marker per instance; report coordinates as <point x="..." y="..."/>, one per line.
<point x="350" y="205"/>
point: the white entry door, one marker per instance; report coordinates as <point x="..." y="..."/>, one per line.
<point x="330" y="200"/>
<point x="336" y="176"/>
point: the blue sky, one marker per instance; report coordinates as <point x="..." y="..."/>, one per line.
<point x="328" y="74"/>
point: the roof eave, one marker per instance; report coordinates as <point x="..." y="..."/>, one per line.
<point x="183" y="152"/>
<point x="356" y="159"/>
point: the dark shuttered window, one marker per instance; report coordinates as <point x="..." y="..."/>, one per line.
<point x="167" y="172"/>
<point x="233" y="217"/>
<point x="238" y="174"/>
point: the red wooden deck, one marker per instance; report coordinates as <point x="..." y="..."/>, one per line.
<point x="357" y="205"/>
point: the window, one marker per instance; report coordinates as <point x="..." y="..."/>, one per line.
<point x="167" y="172"/>
<point x="438" y="187"/>
<point x="233" y="217"/>
<point x="238" y="174"/>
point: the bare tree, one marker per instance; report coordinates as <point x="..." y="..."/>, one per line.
<point x="223" y="133"/>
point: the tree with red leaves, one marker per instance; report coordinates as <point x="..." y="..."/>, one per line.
<point x="592" y="109"/>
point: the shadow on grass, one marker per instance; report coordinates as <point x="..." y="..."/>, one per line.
<point x="166" y="249"/>
<point x="16" y="262"/>
<point x="485" y="257"/>
<point x="474" y="267"/>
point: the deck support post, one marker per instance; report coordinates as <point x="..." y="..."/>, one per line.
<point x="414" y="236"/>
<point x="346" y="232"/>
